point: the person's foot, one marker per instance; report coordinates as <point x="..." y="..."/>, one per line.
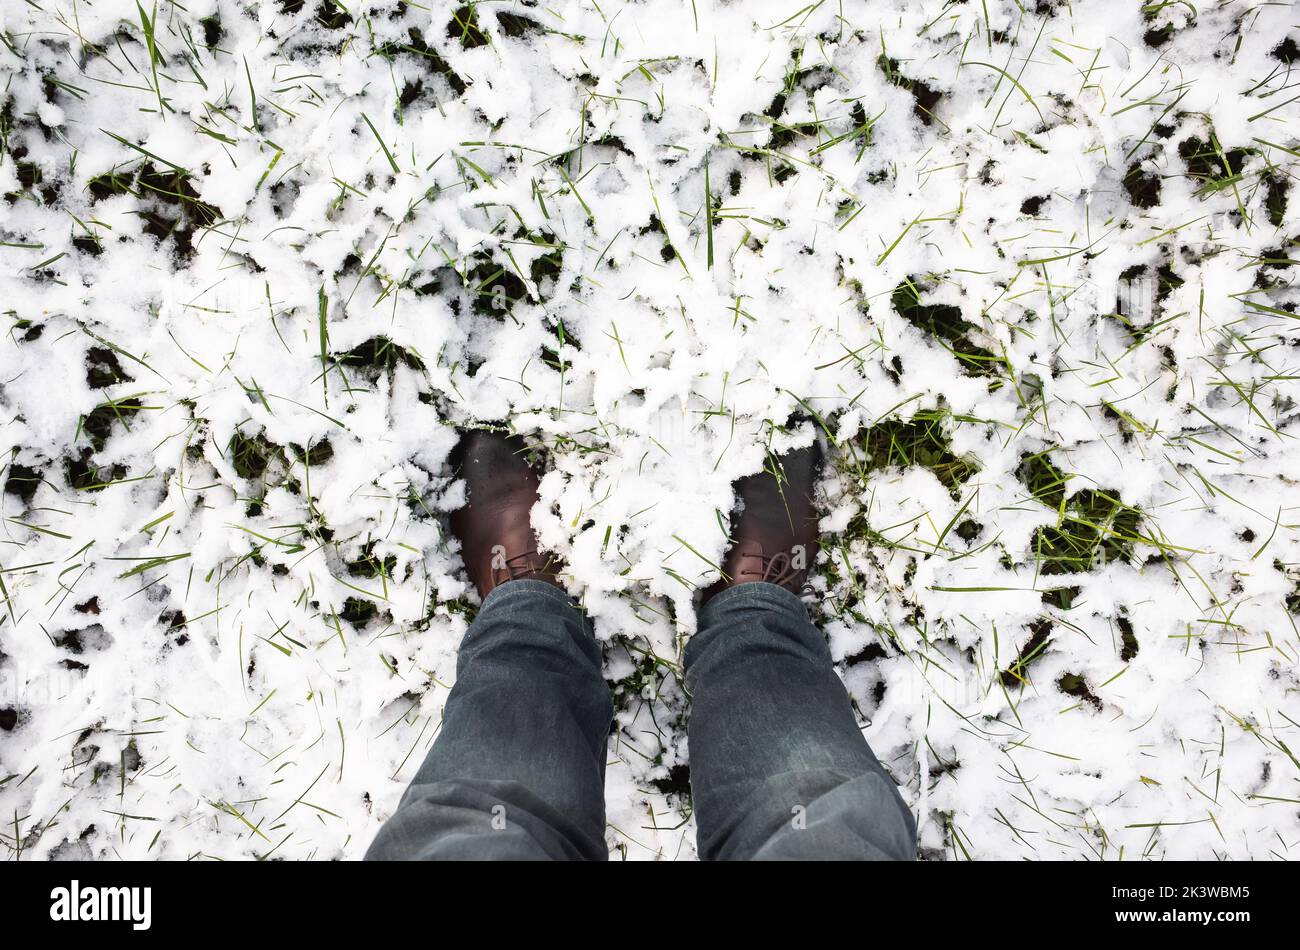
<point x="496" y="536"/>
<point x="775" y="525"/>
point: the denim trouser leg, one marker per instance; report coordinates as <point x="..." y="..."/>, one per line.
<point x="779" y="767"/>
<point x="518" y="769"/>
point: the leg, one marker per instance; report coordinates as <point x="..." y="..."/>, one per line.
<point x="518" y="770"/>
<point x="779" y="767"/>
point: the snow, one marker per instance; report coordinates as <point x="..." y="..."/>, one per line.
<point x="270" y="642"/>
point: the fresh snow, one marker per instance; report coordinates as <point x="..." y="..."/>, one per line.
<point x="259" y="259"/>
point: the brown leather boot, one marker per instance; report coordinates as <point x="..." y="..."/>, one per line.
<point x="775" y="525"/>
<point x="496" y="537"/>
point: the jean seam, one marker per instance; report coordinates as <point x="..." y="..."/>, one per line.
<point x="507" y="599"/>
<point x="521" y="588"/>
<point x="765" y="595"/>
<point x="762" y="590"/>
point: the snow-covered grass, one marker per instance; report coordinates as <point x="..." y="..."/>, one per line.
<point x="1028" y="267"/>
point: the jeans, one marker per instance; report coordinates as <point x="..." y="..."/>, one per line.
<point x="779" y="767"/>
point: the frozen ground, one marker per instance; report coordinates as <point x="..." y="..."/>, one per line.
<point x="1029" y="267"/>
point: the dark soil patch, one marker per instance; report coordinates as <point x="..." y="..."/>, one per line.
<point x="1039" y="638"/>
<point x="1128" y="639"/>
<point x="1208" y="163"/>
<point x="318" y="453"/>
<point x="22" y="482"/>
<point x="1287" y="51"/>
<point x="1062" y="598"/>
<point x="371" y="565"/>
<point x="170" y="205"/>
<point x="83" y="474"/>
<point x="1074" y="685"/>
<point x="921" y="440"/>
<point x="944" y="322"/>
<point x="926" y="96"/>
<point x="1143" y="187"/>
<point x="464" y="27"/>
<point x="252" y="456"/>
<point x="868" y="654"/>
<point x="676" y="783"/>
<point x="494" y="288"/>
<point x="358" y="611"/>
<point x="103" y="369"/>
<point x="1159" y="36"/>
<point x="98" y="425"/>
<point x="427" y="56"/>
<point x="332" y="15"/>
<point x="379" y="356"/>
<point x="1275" y="198"/>
<point x="212" y="30"/>
<point x="1031" y="206"/>
<point x="516" y="26"/>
